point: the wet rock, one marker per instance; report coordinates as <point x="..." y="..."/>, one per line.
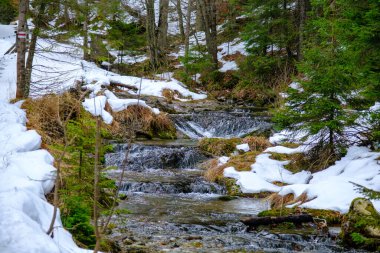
<point x="361" y="226"/>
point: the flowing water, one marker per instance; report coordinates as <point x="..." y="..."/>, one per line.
<point x="172" y="208"/>
<point x="221" y="123"/>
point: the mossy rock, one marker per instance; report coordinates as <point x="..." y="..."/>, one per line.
<point x="218" y="146"/>
<point x="361" y="226"/>
<point x="331" y="217"/>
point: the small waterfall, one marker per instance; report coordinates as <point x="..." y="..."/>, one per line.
<point x="220" y="124"/>
<point x="145" y="157"/>
<point x="187" y="186"/>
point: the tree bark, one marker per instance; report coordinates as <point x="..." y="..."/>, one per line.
<point x="162" y="29"/>
<point x="86" y="50"/>
<point x="96" y="186"/>
<point x="32" y="46"/>
<point x="188" y="27"/>
<point x="151" y="33"/>
<point x="208" y="13"/>
<point x="21" y="50"/>
<point x="180" y="20"/>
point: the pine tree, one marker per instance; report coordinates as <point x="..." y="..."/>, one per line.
<point x="330" y="77"/>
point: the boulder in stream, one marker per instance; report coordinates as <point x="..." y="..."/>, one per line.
<point x="361" y="226"/>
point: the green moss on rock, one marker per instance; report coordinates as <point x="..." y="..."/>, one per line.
<point x="361" y="226"/>
<point x="218" y="146"/>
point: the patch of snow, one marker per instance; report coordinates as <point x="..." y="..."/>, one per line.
<point x="243" y="147"/>
<point x="96" y="106"/>
<point x="223" y="160"/>
<point x="375" y="107"/>
<point x="331" y="188"/>
<point x="286" y="150"/>
<point x="249" y="182"/>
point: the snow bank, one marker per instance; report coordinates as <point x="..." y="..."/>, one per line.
<point x="26" y="175"/>
<point x="332" y="188"/>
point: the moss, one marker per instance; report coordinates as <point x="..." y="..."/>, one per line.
<point x="218" y="146"/>
<point x="361" y="226"/>
<point x="234" y="190"/>
<point x="243" y="162"/>
<point x="331" y="217"/>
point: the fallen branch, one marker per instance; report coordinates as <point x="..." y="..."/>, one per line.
<point x="123" y="85"/>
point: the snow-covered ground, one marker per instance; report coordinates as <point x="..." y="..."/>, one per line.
<point x="333" y="188"/>
<point x="58" y="67"/>
<point x="26" y="175"/>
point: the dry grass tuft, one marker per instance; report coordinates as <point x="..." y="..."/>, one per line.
<point x="257" y="143"/>
<point x="168" y="94"/>
<point x="45" y="113"/>
<point x="214" y="171"/>
<point x="142" y="120"/>
<point x="278" y="201"/>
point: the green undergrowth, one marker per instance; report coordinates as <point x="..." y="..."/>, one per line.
<point x="48" y="115"/>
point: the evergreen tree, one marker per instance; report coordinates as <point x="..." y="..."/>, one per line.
<point x="8" y="11"/>
<point x="330" y="77"/>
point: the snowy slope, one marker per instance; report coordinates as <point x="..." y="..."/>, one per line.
<point x="26" y="175"/>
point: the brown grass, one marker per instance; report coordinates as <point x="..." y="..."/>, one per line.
<point x="44" y="114"/>
<point x="218" y="146"/>
<point x="142" y="120"/>
<point x="239" y="162"/>
<point x="213" y="172"/>
<point x="168" y="94"/>
<point x="257" y="143"/>
<point x="278" y="201"/>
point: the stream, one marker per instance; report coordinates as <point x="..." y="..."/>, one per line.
<point x="172" y="208"/>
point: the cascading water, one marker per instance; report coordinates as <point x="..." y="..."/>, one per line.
<point x="174" y="209"/>
<point x="220" y="124"/>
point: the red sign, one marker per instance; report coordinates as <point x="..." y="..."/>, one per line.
<point x="21" y="35"/>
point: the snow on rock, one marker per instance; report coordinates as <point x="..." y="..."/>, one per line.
<point x="155" y="87"/>
<point x="249" y="182"/>
<point x="243" y="147"/>
<point x="286" y="150"/>
<point x="96" y="106"/>
<point x="223" y="160"/>
<point x="26" y="175"/>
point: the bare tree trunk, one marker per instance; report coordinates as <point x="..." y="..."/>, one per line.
<point x="151" y="33"/>
<point x="96" y="186"/>
<point x="208" y="11"/>
<point x="188" y="27"/>
<point x="86" y="51"/>
<point x="32" y="47"/>
<point x="21" y="49"/>
<point x="162" y="29"/>
<point x="180" y="20"/>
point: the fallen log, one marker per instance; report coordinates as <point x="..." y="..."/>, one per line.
<point x="264" y="221"/>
